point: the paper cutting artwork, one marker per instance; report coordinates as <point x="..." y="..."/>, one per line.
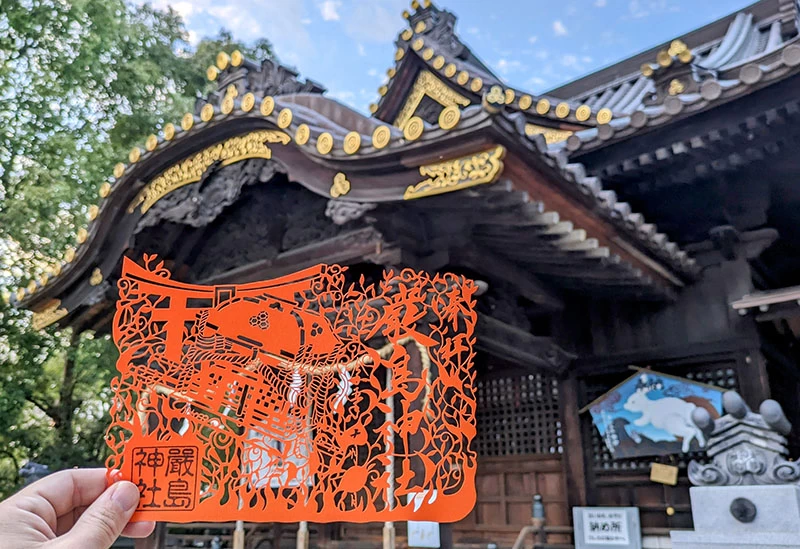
<point x="298" y="398"/>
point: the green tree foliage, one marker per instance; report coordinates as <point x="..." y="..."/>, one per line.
<point x="81" y="82"/>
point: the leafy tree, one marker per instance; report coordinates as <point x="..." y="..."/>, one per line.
<point x="81" y="82"/>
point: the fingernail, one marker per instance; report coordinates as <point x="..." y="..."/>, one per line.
<point x="126" y="495"/>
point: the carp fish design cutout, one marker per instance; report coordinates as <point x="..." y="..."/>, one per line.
<point x="295" y="399"/>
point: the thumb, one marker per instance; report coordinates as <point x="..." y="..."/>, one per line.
<point x="102" y="523"/>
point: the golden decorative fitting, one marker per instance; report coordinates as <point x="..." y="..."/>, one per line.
<point x="543" y="106"/>
<point x="509" y="96"/>
<point x="413" y="129"/>
<point x="97" y="277"/>
<point x="324" y="143"/>
<point x="562" y="110"/>
<point x="427" y="85"/>
<point x="212" y="72"/>
<point x="134" y="155"/>
<point x="670" y="511"/>
<point x="583" y="113"/>
<point x="191" y="170"/>
<point x="69" y="255"/>
<point x="373" y="108"/>
<point x="231" y="91"/>
<point x="169" y="131"/>
<point x="450" y="70"/>
<point x="352" y="142"/>
<point x="31" y="287"/>
<point x="105" y="189"/>
<point x="50" y="315"/>
<point x="55" y="269"/>
<point x="418" y="44"/>
<point x="248" y="102"/>
<point x="604" y="116"/>
<point x="151" y="143"/>
<point x="461" y="173"/>
<point x="382" y="90"/>
<point x="647" y="70"/>
<point x="391" y="72"/>
<point x="207" y="112"/>
<point x="222" y="60"/>
<point x="302" y="134"/>
<point x="405" y="14"/>
<point x="495" y="96"/>
<point x="398" y="55"/>
<point x="676" y="87"/>
<point x="237" y="58"/>
<point x="426" y="3"/>
<point x="525" y="102"/>
<point x="341" y="186"/>
<point x="267" y="105"/>
<point x="20" y="294"/>
<point x="381" y="137"/>
<point x="449" y="117"/>
<point x="227" y="105"/>
<point x="82" y="235"/>
<point x="685" y="56"/>
<point x="551" y="135"/>
<point x="119" y="169"/>
<point x="43" y="278"/>
<point x="419" y="27"/>
<point x="406" y="34"/>
<point x="427" y="55"/>
<point x="187" y="121"/>
<point x="677" y="47"/>
<point x="463" y="78"/>
<point x="94" y="209"/>
<point x="438" y="63"/>
<point x="414" y="4"/>
<point x="663" y="58"/>
<point x="477" y="84"/>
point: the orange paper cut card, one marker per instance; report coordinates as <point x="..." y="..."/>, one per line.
<point x="295" y="399"/>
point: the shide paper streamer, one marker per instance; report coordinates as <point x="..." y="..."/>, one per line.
<point x="295" y="399"/>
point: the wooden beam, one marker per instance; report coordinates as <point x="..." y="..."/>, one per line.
<point x="574" y="463"/>
<point x="520" y="347"/>
<point x="497" y="266"/>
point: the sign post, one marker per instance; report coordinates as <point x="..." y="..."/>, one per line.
<point x="607" y="528"/>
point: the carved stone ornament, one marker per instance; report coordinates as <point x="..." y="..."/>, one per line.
<point x="746" y="448"/>
<point x="343" y="211"/>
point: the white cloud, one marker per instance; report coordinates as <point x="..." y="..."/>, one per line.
<point x="370" y="21"/>
<point x="372" y="72"/>
<point x="329" y="10"/>
<point x="473" y="30"/>
<point x="533" y="39"/>
<point x="505" y="66"/>
<point x="559" y="29"/>
<point x="569" y="60"/>
<point x="305" y="21"/>
<point x="600" y="3"/>
<point x="586" y="59"/>
<point x="361" y="51"/>
<point x="194" y="38"/>
<point x="535" y="82"/>
<point x="542" y="54"/>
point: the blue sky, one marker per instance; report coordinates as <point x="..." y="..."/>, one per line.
<point x="347" y="45"/>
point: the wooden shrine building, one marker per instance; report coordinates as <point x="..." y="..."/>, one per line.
<point x="643" y="215"/>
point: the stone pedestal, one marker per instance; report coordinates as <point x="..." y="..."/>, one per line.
<point x="744" y="517"/>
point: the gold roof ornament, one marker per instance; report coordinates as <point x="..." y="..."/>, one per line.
<point x="227" y="105"/>
<point x="31" y="287"/>
<point x="169" y="131"/>
<point x="352" y="142"/>
<point x="187" y="121"/>
<point x="405" y="14"/>
<point x="302" y="134"/>
<point x="207" y="112"/>
<point x="413" y="128"/>
<point x="406" y="34"/>
<point x="438" y="63"/>
<point x="82" y="235"/>
<point x="450" y="70"/>
<point x="398" y="55"/>
<point x="604" y="116"/>
<point x="373" y="108"/>
<point x="494" y="100"/>
<point x="459" y="173"/>
<point x="20" y="294"/>
<point x="476" y="85"/>
<point x="69" y="255"/>
<point x="542" y="106"/>
<point x="419" y="27"/>
<point x="676" y="87"/>
<point x="381" y="137"/>
<point x="525" y="102"/>
<point x="51" y="314"/>
<point x="383" y="90"/>
<point x="509" y="95"/>
<point x="562" y="110"/>
<point x="391" y="72"/>
<point x="151" y="143"/>
<point x="647" y="70"/>
<point x="324" y="143"/>
<point x="97" y="277"/>
<point x="583" y="113"/>
<point x="427" y="55"/>
<point x="135" y="155"/>
<point x="105" y="189"/>
<point x="341" y="186"/>
<point x="248" y="102"/>
<point x="237" y="58"/>
<point x="267" y="105"/>
<point x="119" y="169"/>
<point x="43" y="278"/>
<point x="685" y="56"/>
<point x="94" y="209"/>
<point x="55" y="269"/>
<point x="418" y="44"/>
<point x="222" y="60"/>
<point x="449" y="117"/>
<point x="212" y="72"/>
<point x="663" y="58"/>
<point x="414" y="4"/>
<point x="463" y="78"/>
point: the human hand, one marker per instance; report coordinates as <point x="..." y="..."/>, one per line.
<point x="70" y="509"/>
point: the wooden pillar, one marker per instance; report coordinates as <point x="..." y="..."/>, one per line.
<point x="156" y="540"/>
<point x="573" y="460"/>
